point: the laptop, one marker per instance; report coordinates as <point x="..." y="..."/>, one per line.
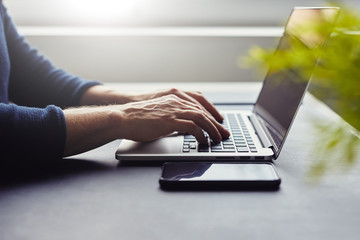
<point x="258" y="134"/>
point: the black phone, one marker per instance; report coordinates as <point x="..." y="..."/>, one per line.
<point x="219" y="176"/>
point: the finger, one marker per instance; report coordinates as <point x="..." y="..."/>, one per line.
<point x="207" y="105"/>
<point x="188" y="126"/>
<point x="196" y="114"/>
<point x="194" y="102"/>
<point x="190" y="100"/>
<point x="184" y="96"/>
<point x="194" y="97"/>
<point x="202" y="121"/>
<point x="223" y="132"/>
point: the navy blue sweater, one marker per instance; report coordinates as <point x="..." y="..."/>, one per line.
<point x="32" y="90"/>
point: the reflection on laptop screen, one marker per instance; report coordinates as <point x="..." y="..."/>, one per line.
<point x="286" y="88"/>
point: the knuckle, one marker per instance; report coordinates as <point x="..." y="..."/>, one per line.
<point x="198" y="94"/>
<point x="174" y="90"/>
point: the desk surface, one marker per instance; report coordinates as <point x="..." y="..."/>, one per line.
<point x="92" y="196"/>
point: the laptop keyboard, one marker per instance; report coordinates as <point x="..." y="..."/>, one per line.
<point x="239" y="141"/>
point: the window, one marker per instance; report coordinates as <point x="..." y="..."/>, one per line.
<point x="156" y="12"/>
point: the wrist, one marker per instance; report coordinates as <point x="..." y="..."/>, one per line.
<point x="90" y="127"/>
<point x="116" y="118"/>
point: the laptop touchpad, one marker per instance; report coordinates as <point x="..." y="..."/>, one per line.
<point x="170" y="144"/>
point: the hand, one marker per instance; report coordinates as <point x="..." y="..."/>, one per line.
<point x="102" y="95"/>
<point x="160" y="116"/>
<point x="90" y="127"/>
<point x="191" y="96"/>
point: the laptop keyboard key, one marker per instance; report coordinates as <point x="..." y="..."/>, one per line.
<point x="203" y="148"/>
<point x="192" y="145"/>
<point x="222" y="150"/>
<point x="240" y="139"/>
<point x="229" y="147"/>
<point x="242" y="149"/>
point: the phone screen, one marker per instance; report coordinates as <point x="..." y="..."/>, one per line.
<point x="219" y="175"/>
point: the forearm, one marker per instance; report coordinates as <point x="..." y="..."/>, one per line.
<point x="89" y="127"/>
<point x="102" y="95"/>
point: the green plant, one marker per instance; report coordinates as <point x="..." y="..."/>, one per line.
<point x="336" y="79"/>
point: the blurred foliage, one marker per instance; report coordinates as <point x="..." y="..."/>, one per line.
<point x="337" y="147"/>
<point x="336" y="78"/>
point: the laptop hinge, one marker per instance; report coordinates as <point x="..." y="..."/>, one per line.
<point x="260" y="132"/>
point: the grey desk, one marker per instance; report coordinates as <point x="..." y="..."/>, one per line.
<point x="92" y="196"/>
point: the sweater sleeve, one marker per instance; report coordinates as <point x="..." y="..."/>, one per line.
<point x="32" y="133"/>
<point x="34" y="81"/>
<point x="37" y="129"/>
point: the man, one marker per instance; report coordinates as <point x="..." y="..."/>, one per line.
<point x="36" y="128"/>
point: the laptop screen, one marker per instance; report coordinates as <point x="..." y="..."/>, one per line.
<point x="283" y="90"/>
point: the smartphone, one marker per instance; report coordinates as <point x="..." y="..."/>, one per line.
<point x="219" y="176"/>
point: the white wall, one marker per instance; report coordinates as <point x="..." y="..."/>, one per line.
<point x="152" y="58"/>
<point x="156" y="12"/>
<point x="70" y="33"/>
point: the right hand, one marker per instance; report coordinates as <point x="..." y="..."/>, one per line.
<point x="155" y="118"/>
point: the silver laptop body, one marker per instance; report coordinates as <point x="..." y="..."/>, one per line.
<point x="267" y="125"/>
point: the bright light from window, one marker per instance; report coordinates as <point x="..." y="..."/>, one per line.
<point x="101" y="11"/>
